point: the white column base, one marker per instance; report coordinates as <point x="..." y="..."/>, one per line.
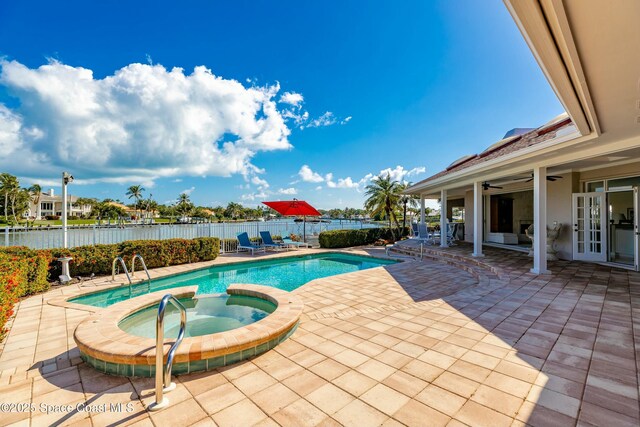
<point x="535" y="271"/>
<point x="480" y="255"/>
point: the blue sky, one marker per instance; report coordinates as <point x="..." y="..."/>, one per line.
<point x="347" y="89"/>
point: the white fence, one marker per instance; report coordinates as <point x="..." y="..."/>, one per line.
<point x="51" y="237"/>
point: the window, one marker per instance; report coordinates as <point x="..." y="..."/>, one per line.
<point x="46" y="206"/>
<point x="623" y="183"/>
<point x="595" y="186"/>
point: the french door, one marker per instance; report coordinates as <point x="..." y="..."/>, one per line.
<point x="589" y="227"/>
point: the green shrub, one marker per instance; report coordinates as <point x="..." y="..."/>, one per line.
<point x="37" y="264"/>
<point x="13" y="282"/>
<point x="348" y="238"/>
<point x="86" y="260"/>
<point x="208" y="248"/>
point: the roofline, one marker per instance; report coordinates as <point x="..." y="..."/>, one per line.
<point x="426" y="185"/>
<point x="545" y="28"/>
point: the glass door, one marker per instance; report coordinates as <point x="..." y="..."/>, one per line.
<point x="589" y="232"/>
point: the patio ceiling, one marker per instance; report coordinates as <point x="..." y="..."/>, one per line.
<point x="588" y="51"/>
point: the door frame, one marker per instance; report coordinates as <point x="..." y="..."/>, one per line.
<point x="587" y="255"/>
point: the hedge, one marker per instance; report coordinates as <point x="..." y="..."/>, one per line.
<point x="98" y="259"/>
<point x="13" y="279"/>
<point x="348" y="238"/>
<point x="25" y="271"/>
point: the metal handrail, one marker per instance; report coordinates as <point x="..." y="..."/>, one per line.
<point x="124" y="266"/>
<point x="163" y="372"/>
<point x="144" y="266"/>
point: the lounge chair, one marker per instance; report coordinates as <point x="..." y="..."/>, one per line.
<point x="245" y="244"/>
<point x="293" y="244"/>
<point x="267" y="241"/>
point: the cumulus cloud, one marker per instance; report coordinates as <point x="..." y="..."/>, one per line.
<point x="139" y="124"/>
<point x="290" y="191"/>
<point x="346" y="120"/>
<point x="292" y="98"/>
<point x="399" y="173"/>
<point x="188" y="191"/>
<point x="254" y="196"/>
<point x="307" y="175"/>
<point x="261" y="183"/>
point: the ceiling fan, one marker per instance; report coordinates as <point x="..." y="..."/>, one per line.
<point x="549" y="178"/>
<point x="486" y="186"/>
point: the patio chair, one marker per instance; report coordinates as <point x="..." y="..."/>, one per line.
<point x="451" y="233"/>
<point x="423" y="233"/>
<point x="287" y="240"/>
<point x="414" y="230"/>
<point x="245" y="244"/>
<point x="267" y="241"/>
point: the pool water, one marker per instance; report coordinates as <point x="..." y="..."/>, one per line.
<point x="283" y="273"/>
<point x="207" y="315"/>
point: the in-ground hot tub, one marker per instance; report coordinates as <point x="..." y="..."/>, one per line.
<point x="225" y="329"/>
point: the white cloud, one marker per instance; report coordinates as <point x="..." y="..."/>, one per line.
<point x="188" y="191"/>
<point x="139" y="124"/>
<point x="345" y="120"/>
<point x="399" y="173"/>
<point x="290" y="191"/>
<point x="261" y="183"/>
<point x="307" y="175"/>
<point x="292" y="98"/>
<point x="254" y="196"/>
<point x="319" y="187"/>
<point x="327" y="119"/>
<point x="177" y="180"/>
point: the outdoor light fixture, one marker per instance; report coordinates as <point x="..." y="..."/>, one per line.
<point x="66" y="179"/>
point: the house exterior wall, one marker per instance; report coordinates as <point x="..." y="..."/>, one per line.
<point x="468" y="216"/>
<point x="629" y="169"/>
<point x="559" y="208"/>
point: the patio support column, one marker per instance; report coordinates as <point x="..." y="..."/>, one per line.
<point x="540" y="220"/>
<point x="478" y="221"/>
<point x="443" y="219"/>
<point x="422" y="218"/>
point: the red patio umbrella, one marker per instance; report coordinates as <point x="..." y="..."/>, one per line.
<point x="295" y="207"/>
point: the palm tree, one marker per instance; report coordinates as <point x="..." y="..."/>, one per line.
<point x="36" y="192"/>
<point x="8" y="184"/>
<point x="135" y="191"/>
<point x="20" y="200"/>
<point x="407" y="201"/>
<point x="382" y="198"/>
<point x="184" y="205"/>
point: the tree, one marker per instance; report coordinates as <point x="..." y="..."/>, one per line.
<point x="382" y="198"/>
<point x="36" y="192"/>
<point x="8" y="184"/>
<point x="184" y="205"/>
<point x="106" y="210"/>
<point x="406" y="200"/>
<point x="135" y="191"/>
<point x="234" y="210"/>
<point x="20" y="200"/>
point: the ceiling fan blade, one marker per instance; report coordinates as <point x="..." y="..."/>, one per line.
<point x="529" y="180"/>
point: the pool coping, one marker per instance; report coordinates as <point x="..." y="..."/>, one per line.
<point x="63" y="300"/>
<point x="99" y="336"/>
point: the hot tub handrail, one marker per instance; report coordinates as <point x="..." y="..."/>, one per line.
<point x="163" y="372"/>
<point x="144" y="266"/>
<point x="124" y="266"/>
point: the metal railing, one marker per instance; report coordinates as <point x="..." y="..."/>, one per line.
<point x="94" y="234"/>
<point x="124" y="267"/>
<point x="163" y="372"/>
<point x="144" y="266"/>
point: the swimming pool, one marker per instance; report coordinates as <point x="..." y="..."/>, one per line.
<point x="287" y="273"/>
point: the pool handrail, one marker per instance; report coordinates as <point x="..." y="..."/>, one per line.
<point x="124" y="266"/>
<point x="144" y="266"/>
<point x="163" y="372"/>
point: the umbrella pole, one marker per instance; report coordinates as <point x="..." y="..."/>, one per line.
<point x="304" y="228"/>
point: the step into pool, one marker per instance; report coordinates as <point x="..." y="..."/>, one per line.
<point x="287" y="273"/>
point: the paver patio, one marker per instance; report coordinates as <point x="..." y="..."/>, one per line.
<point x="448" y="340"/>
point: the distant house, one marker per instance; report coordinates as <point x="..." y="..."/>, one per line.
<point x="51" y="205"/>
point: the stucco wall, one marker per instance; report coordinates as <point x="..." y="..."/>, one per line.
<point x="559" y="200"/>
